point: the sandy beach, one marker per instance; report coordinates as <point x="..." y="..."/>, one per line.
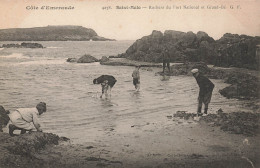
<point x="149" y="141"/>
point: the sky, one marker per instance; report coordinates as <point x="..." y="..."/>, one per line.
<point x="132" y="24"/>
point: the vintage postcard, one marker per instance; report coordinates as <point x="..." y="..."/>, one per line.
<point x="129" y="83"/>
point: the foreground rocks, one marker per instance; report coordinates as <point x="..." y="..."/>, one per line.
<point x="21" y="151"/>
<point x="23" y="45"/>
<point x="4" y="118"/>
<point x="235" y="122"/>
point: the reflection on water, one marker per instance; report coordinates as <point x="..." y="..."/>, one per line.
<point x="74" y="107"/>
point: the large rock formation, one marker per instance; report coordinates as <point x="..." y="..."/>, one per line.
<point x="229" y="50"/>
<point x="238" y="51"/>
<point x="182" y="47"/>
<point x="51" y="33"/>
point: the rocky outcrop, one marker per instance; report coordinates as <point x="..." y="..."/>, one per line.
<point x="243" y="86"/>
<point x="23" y="45"/>
<point x="182" y="47"/>
<point x="238" y="51"/>
<point x="51" y="33"/>
<point x="230" y="50"/>
<point x="87" y="59"/>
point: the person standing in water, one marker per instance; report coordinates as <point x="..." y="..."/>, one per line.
<point x="107" y="82"/>
<point x="205" y="93"/>
<point x="136" y="78"/>
<point x="166" y="59"/>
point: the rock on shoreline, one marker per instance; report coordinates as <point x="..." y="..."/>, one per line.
<point x="84" y="59"/>
<point x="236" y="122"/>
<point x="21" y="151"/>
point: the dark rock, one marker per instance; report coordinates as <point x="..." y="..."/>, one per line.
<point x="230" y="50"/>
<point x="238" y="51"/>
<point x="104" y="59"/>
<point x="22" y="150"/>
<point x="184" y="115"/>
<point x="87" y="59"/>
<point x="72" y="60"/>
<point x="31" y="45"/>
<point x="244" y="86"/>
<point x="4" y="118"/>
<point x="235" y="122"/>
<point x="182" y="46"/>
<point x="23" y="45"/>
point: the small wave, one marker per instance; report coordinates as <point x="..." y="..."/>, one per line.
<point x="1" y="49"/>
<point x="43" y="62"/>
<point x="15" y="55"/>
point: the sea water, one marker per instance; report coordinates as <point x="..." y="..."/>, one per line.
<point x="74" y="108"/>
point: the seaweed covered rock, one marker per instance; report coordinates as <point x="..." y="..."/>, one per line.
<point x="243" y="86"/>
<point x="4" y="118"/>
<point x="87" y="59"/>
<point x="21" y="151"/>
<point x="236" y="122"/>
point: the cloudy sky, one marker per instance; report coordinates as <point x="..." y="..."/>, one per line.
<point x="236" y="16"/>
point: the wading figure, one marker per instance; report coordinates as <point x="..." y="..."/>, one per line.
<point x="107" y="82"/>
<point x="205" y="93"/>
<point x="136" y="78"/>
<point x="26" y="119"/>
<point x="166" y="59"/>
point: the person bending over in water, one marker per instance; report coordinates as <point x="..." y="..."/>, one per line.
<point x="107" y="82"/>
<point x="25" y="119"/>
<point x="205" y="93"/>
<point x="136" y="78"/>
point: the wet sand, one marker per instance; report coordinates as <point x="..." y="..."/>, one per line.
<point x="151" y="142"/>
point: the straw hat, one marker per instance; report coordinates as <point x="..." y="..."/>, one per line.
<point x="194" y="71"/>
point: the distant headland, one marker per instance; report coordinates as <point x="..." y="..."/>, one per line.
<point x="51" y="33"/>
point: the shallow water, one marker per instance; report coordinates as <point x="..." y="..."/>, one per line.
<point x="74" y="107"/>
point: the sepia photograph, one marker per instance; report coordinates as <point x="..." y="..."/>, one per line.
<point x="129" y="83"/>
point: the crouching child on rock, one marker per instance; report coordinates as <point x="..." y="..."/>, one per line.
<point x="26" y="119"/>
<point x="205" y="93"/>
